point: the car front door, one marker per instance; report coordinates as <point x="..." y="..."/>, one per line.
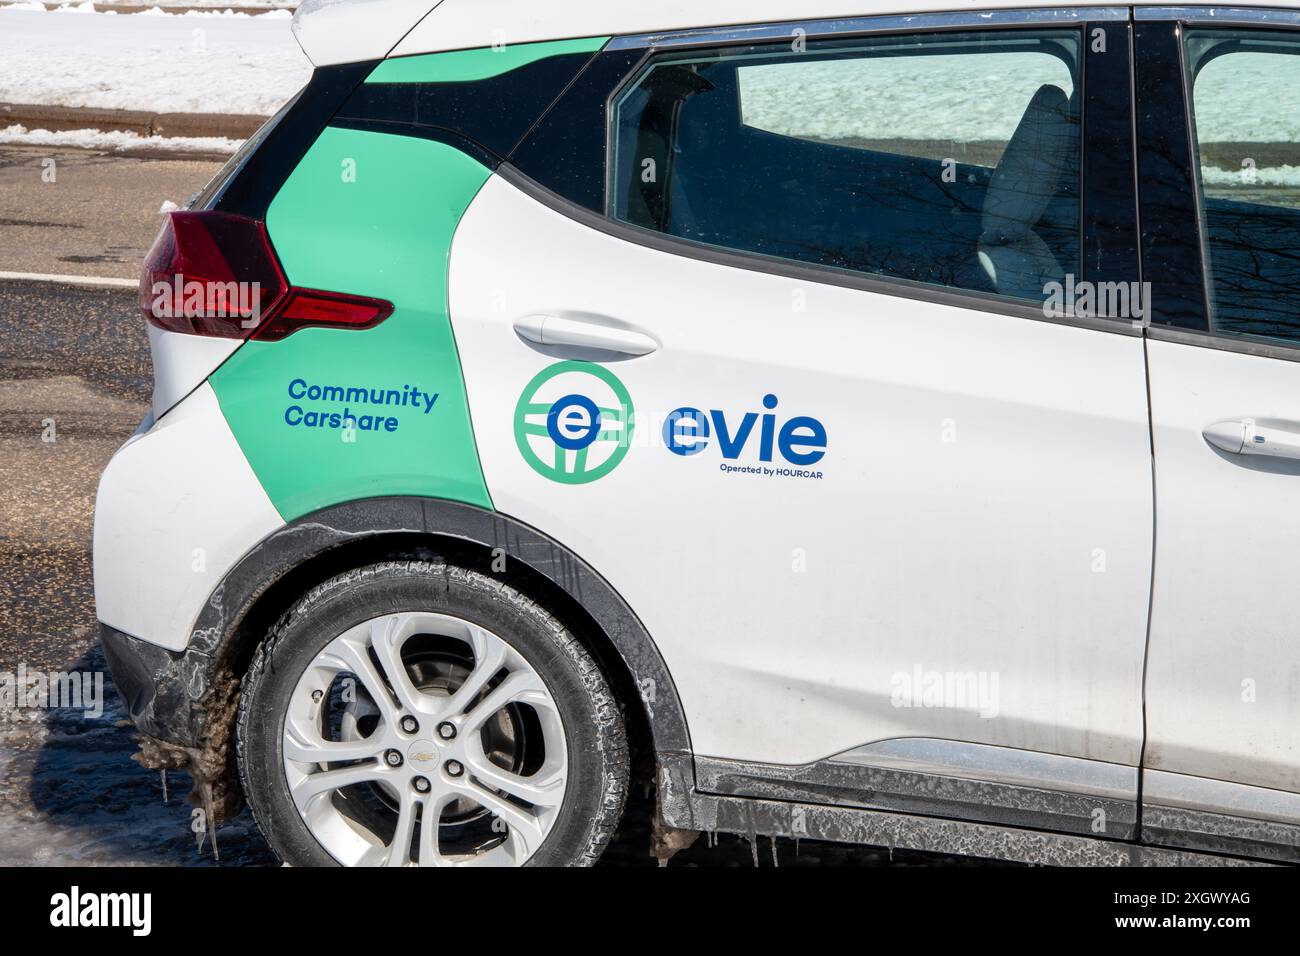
<point x="810" y="389"/>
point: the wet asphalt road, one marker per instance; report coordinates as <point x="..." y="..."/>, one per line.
<point x="74" y="384"/>
<point x="75" y="380"/>
<point x="73" y="212"/>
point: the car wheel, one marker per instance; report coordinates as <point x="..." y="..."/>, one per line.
<point x="417" y="713"/>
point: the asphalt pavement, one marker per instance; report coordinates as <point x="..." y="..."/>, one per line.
<point x="75" y="212"/>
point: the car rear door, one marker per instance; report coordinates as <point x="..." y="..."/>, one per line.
<point x="806" y="382"/>
<point x="1219" y="131"/>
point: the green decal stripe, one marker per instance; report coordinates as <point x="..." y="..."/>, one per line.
<point x="462" y="66"/>
<point x="368" y="214"/>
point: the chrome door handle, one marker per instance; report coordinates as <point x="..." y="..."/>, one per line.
<point x="1244" y="436"/>
<point x="586" y="333"/>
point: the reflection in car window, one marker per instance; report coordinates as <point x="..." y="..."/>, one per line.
<point x="1246" y="107"/>
<point x="949" y="159"/>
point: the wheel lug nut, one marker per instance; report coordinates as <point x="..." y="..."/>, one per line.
<point x="393" y="758"/>
<point x="447" y="730"/>
<point x="409" y="724"/>
<point x="454" y="768"/>
<point x="421" y="785"/>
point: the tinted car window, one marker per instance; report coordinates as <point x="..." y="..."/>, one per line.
<point x="1246" y="110"/>
<point x="949" y="159"/>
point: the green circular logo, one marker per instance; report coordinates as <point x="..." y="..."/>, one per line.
<point x="574" y="422"/>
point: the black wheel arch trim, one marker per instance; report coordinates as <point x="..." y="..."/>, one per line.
<point x="166" y="692"/>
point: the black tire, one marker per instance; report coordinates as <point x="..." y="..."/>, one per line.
<point x="593" y="726"/>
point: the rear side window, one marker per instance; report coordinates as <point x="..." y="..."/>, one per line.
<point x="948" y="159"/>
<point x="203" y="199"/>
<point x="1247" y="126"/>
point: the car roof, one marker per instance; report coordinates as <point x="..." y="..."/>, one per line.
<point x="342" y="31"/>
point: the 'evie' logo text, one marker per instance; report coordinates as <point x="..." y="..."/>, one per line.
<point x="801" y="440"/>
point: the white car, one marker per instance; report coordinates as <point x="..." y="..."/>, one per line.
<point x="865" y="421"/>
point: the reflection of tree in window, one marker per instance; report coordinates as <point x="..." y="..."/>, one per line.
<point x="1246" y="106"/>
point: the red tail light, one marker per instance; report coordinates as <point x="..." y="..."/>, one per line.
<point x="304" y="307"/>
<point x="213" y="273"/>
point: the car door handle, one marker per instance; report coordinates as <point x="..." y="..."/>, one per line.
<point x="1244" y="436"/>
<point x="586" y="333"/>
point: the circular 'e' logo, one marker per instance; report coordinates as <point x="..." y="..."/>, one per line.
<point x="574" y="422"/>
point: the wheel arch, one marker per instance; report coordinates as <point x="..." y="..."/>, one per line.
<point x="311" y="549"/>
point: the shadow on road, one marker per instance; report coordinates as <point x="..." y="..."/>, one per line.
<point x="88" y="802"/>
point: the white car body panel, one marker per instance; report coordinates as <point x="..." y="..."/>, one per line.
<point x="183" y="362"/>
<point x="1222" y="681"/>
<point x="177" y="506"/>
<point x="348" y="31"/>
<point x="1019" y="551"/>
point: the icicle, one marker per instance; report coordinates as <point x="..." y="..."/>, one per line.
<point x="753" y="837"/>
<point x="163" y="774"/>
<point x="209" y="826"/>
<point x="775" y="861"/>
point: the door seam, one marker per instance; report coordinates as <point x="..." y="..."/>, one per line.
<point x="1151" y="435"/>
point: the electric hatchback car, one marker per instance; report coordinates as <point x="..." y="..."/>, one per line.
<point x="855" y="420"/>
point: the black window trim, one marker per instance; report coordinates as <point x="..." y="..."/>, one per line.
<point x="252" y="179"/>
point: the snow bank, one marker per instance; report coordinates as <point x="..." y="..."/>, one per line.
<point x="926" y="98"/>
<point x="1249" y="98"/>
<point x="1264" y="176"/>
<point x="217" y="9"/>
<point x="1244" y="97"/>
<point x="115" y="141"/>
<point x="199" y="63"/>
<point x="285" y="5"/>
